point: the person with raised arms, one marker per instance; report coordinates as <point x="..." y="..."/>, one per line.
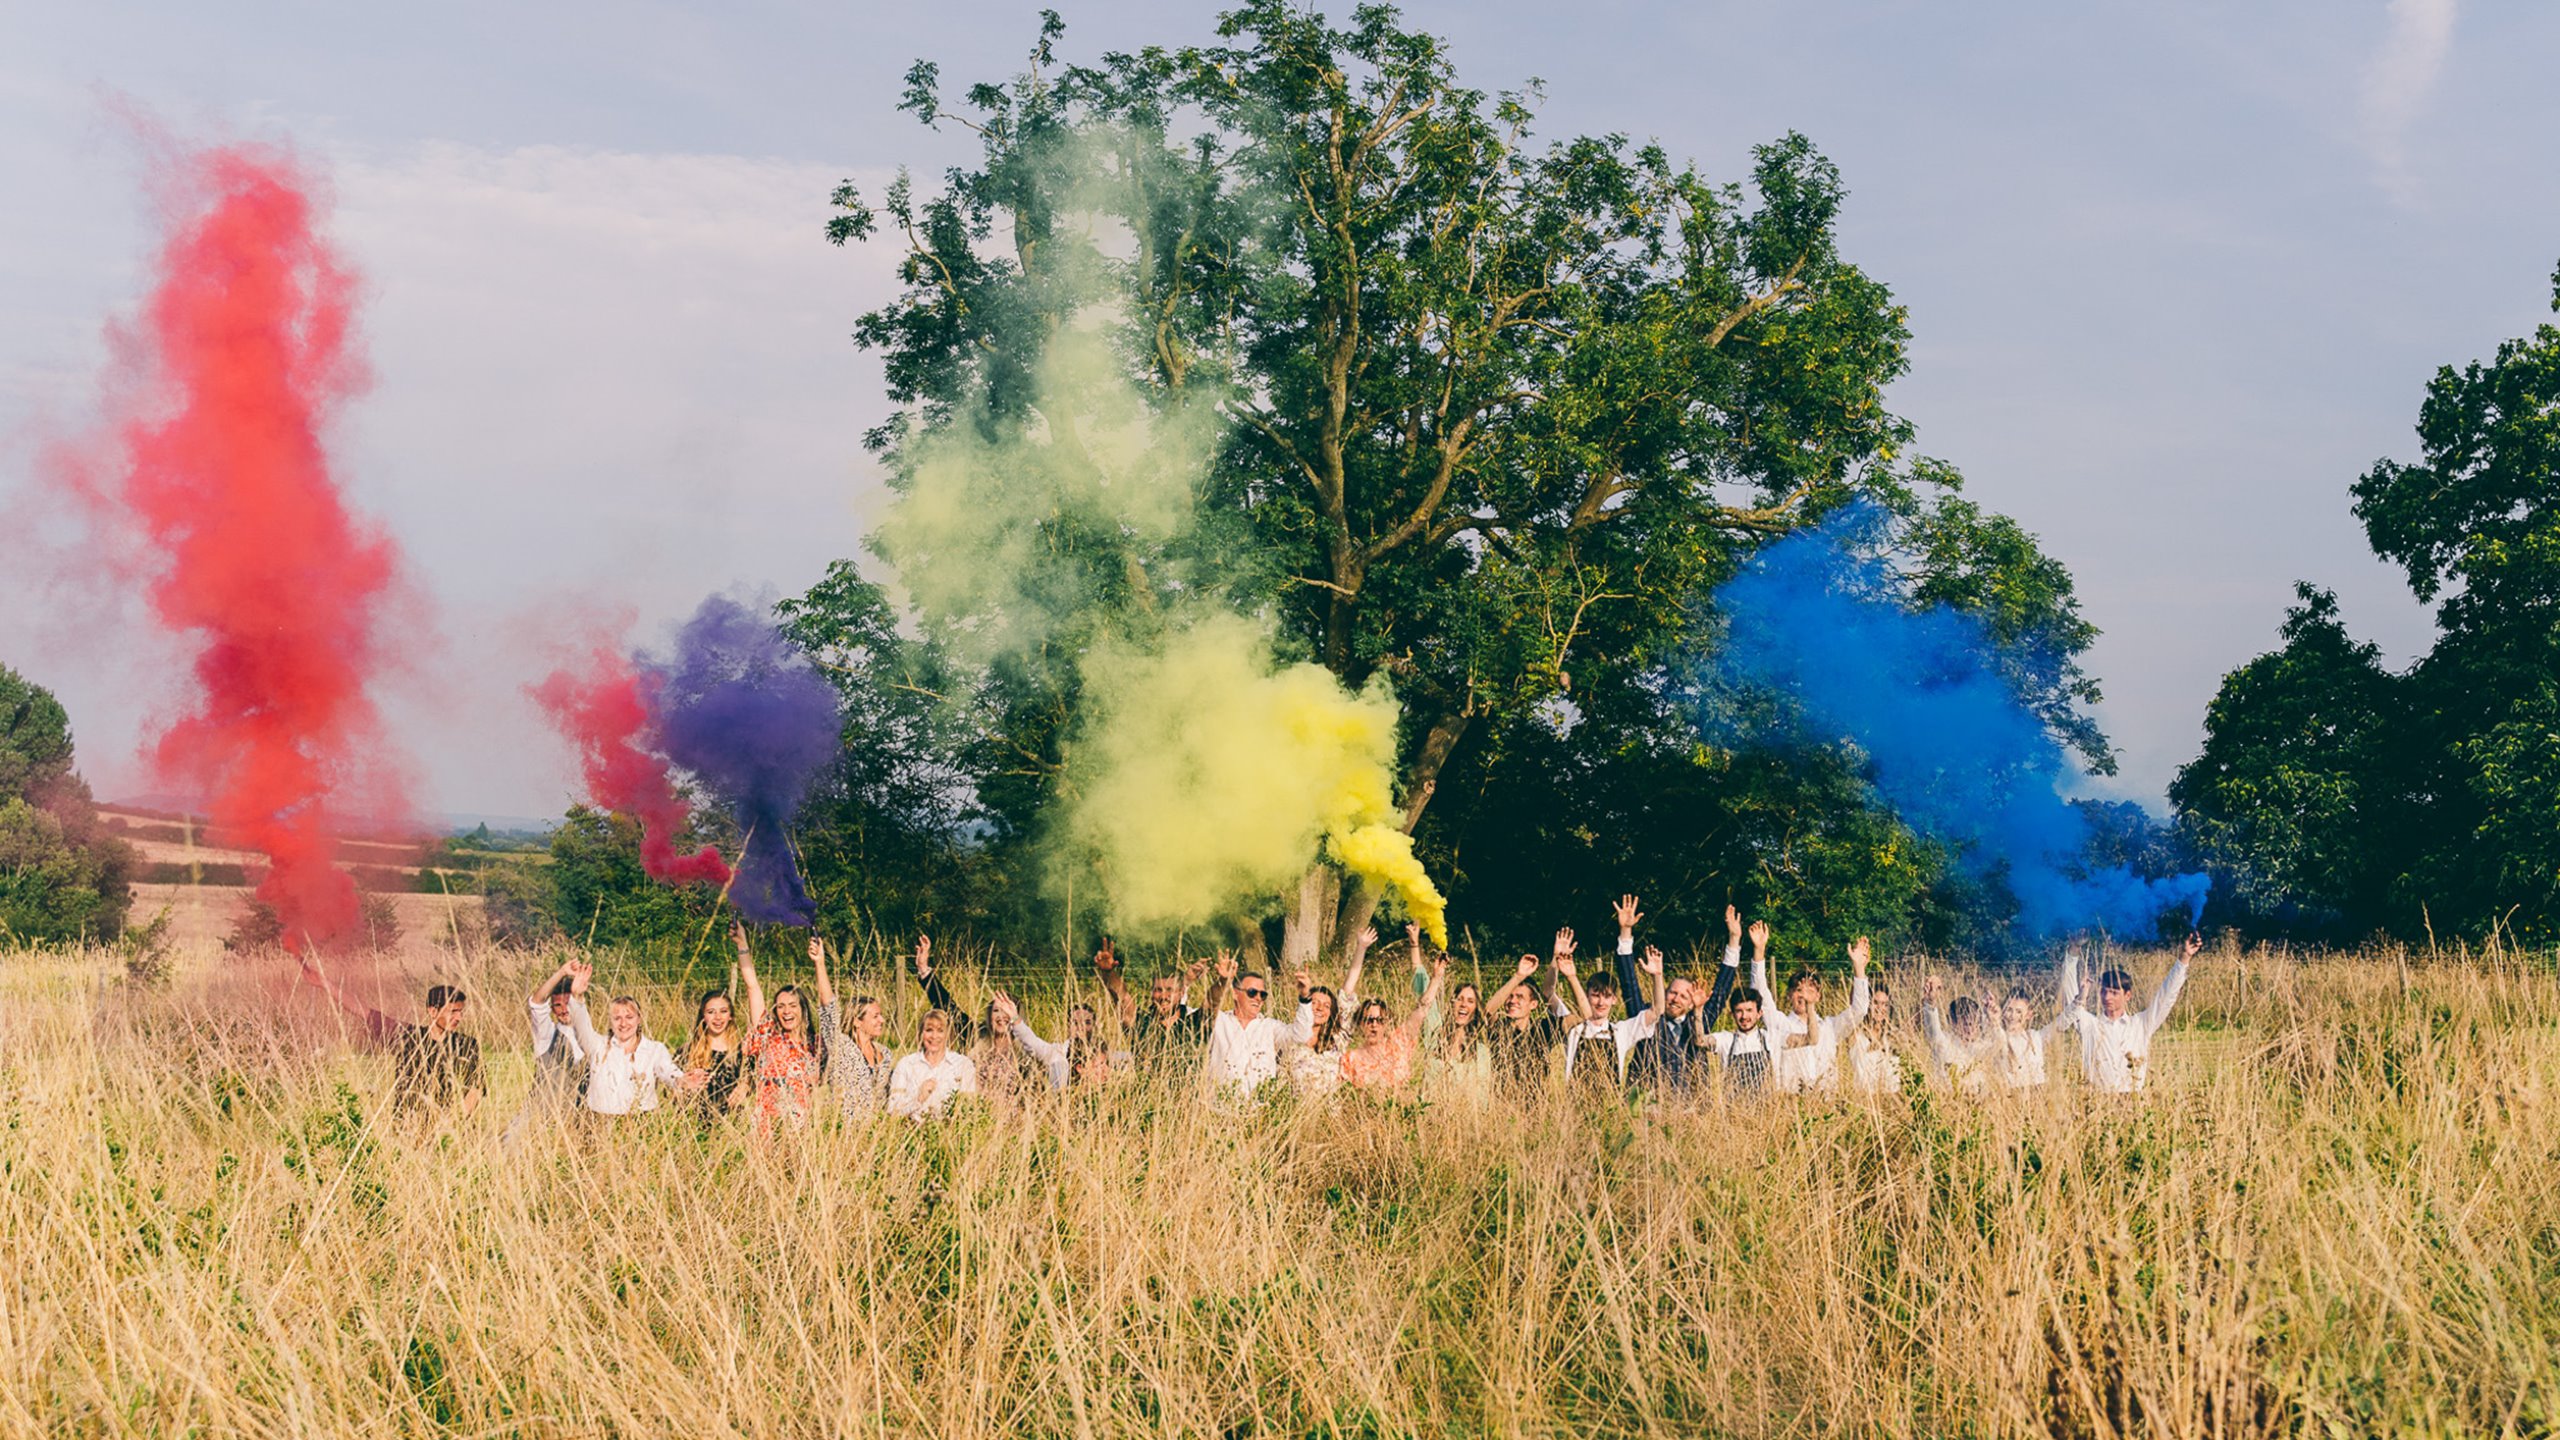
<point x="1244" y="1043"/>
<point x="1809" y="1041"/>
<point x="1315" y="1066"/>
<point x="790" y="1056"/>
<point x="2020" y="1060"/>
<point x="1522" y="1041"/>
<point x="1596" y="1050"/>
<point x="1668" y="1042"/>
<point x="856" y="1060"/>
<point x="2115" y="1039"/>
<point x="556" y="1056"/>
<point x="1004" y="1071"/>
<point x="1170" y="1038"/>
<point x="1380" y="1060"/>
<point x="926" y="1081"/>
<point x="435" y="1067"/>
<point x="1961" y="1045"/>
<point x="625" y="1069"/>
<point x="1875" y="1059"/>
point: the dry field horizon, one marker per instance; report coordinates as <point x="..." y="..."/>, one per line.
<point x="2334" y="1213"/>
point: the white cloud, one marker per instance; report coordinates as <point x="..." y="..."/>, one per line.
<point x="2397" y="83"/>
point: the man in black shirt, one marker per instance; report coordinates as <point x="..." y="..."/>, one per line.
<point x="1168" y="1041"/>
<point x="1528" y="1032"/>
<point x="434" y="1067"/>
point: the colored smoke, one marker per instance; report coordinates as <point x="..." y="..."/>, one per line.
<point x="603" y="708"/>
<point x="214" y="476"/>
<point x="1207" y="775"/>
<point x="1819" y="620"/>
<point x="741" y="707"/>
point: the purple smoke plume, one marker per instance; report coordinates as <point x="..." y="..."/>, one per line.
<point x="741" y="707"/>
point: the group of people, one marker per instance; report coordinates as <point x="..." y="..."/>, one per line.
<point x="1631" y="1028"/>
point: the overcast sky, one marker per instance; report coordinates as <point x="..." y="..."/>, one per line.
<point x="2178" y="273"/>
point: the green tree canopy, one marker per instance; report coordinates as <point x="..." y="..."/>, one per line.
<point x="1492" y="412"/>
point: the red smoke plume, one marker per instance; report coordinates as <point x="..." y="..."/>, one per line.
<point x="604" y="712"/>
<point x="215" y="470"/>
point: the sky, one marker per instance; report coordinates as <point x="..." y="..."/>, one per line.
<point x="2178" y="274"/>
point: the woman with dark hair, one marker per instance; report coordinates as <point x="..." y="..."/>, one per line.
<point x="1453" y="1041"/>
<point x="715" y="1055"/>
<point x="791" y="1058"/>
<point x="1961" y="1046"/>
<point x="1380" y="1060"/>
<point x="1875" y="1064"/>
<point x="1315" y="1067"/>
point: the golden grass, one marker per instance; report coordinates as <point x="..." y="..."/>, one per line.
<point x="2334" y="1214"/>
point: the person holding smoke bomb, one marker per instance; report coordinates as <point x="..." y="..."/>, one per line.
<point x="1380" y="1061"/>
<point x="857" y="1061"/>
<point x="783" y="1041"/>
<point x="435" y="1067"/>
<point x="2115" y="1039"/>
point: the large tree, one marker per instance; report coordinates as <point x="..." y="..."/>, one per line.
<point x="2420" y="802"/>
<point x="1498" y="411"/>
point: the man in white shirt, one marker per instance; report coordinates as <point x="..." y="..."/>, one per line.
<point x="2115" y="1042"/>
<point x="1244" y="1044"/>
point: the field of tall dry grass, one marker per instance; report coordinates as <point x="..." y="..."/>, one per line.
<point x="2334" y="1213"/>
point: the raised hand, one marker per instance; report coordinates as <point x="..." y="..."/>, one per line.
<point x="1306" y="982"/>
<point x="1651" y="964"/>
<point x="1628" y="916"/>
<point x="1193" y="971"/>
<point x="1368" y="936"/>
<point x="738" y="935"/>
<point x="1858" y="952"/>
<point x="580" y="974"/>
<point x="817" y="950"/>
<point x="1733" y="924"/>
<point x="1759" y="937"/>
<point x="2195" y="944"/>
<point x="1106" y="960"/>
<point x="1564" y="963"/>
<point x="924" y="956"/>
<point x="1564" y="943"/>
<point x="1413" y="938"/>
<point x="1227" y="966"/>
<point x="1528" y="966"/>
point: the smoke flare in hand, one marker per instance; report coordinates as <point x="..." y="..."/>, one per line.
<point x="215" y="472"/>
<point x="603" y="708"/>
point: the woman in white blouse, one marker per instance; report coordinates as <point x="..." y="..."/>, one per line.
<point x="626" y="1069"/>
<point x="925" y="1083"/>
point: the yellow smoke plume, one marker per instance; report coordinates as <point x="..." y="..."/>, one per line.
<point x="1208" y="775"/>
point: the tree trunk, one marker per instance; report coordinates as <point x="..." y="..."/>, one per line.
<point x="1302" y="935"/>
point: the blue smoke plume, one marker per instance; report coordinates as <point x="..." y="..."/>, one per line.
<point x="742" y="708"/>
<point x="1818" y="622"/>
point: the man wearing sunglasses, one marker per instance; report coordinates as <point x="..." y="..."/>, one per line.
<point x="1244" y="1043"/>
